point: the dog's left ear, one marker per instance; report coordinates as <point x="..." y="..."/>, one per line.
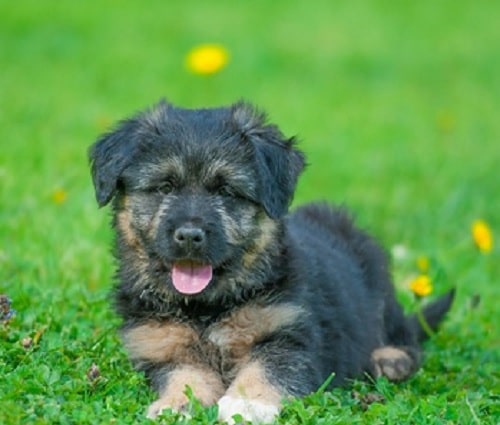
<point x="278" y="162"/>
<point x="109" y="156"/>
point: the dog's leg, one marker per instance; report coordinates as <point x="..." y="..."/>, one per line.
<point x="170" y="354"/>
<point x="268" y="348"/>
<point x="399" y="355"/>
<point x="206" y="385"/>
<point x="252" y="396"/>
<point x="395" y="363"/>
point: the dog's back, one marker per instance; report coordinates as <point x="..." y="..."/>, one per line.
<point x="347" y="287"/>
<point x="351" y="293"/>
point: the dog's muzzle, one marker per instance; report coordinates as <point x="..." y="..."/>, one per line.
<point x="190" y="238"/>
<point x="190" y="276"/>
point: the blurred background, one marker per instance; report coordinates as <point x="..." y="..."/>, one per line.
<point x="395" y="103"/>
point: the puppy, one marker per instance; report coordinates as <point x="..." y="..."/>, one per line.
<point x="220" y="288"/>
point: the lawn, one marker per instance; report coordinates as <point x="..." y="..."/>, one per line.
<point x="396" y="105"/>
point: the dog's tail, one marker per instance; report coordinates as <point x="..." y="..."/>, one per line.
<point x="428" y="321"/>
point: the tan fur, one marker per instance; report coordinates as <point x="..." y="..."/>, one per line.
<point x="161" y="342"/>
<point x="139" y="258"/>
<point x="266" y="237"/>
<point x="231" y="227"/>
<point x="393" y="363"/>
<point x="251" y="383"/>
<point x="155" y="222"/>
<point x="205" y="384"/>
<point x="248" y="325"/>
<point x="221" y="167"/>
<point x="172" y="166"/>
<point x="124" y="220"/>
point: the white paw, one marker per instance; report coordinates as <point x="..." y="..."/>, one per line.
<point x="254" y="411"/>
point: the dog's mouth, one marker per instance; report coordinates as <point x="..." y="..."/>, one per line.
<point x="191" y="277"/>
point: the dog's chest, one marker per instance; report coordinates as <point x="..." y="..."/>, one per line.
<point x="225" y="342"/>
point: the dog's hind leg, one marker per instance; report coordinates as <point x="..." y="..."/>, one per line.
<point x="400" y="356"/>
<point x="395" y="363"/>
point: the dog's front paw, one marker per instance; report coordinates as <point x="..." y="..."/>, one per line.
<point x="176" y="405"/>
<point x="254" y="411"/>
<point x="155" y="409"/>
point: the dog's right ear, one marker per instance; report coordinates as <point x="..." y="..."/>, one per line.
<point x="116" y="150"/>
<point x="109" y="156"/>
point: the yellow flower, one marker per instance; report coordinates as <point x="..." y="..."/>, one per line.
<point x="481" y="233"/>
<point x="207" y="59"/>
<point x="421" y="286"/>
<point x="423" y="263"/>
<point x="59" y="196"/>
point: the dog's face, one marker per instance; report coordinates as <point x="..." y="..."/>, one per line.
<point x="197" y="195"/>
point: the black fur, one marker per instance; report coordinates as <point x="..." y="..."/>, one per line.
<point x="305" y="294"/>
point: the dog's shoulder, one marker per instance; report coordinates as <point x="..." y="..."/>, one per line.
<point x="326" y="237"/>
<point x="336" y="226"/>
<point x="321" y="226"/>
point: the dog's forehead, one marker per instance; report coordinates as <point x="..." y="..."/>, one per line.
<point x="194" y="147"/>
<point x="198" y="167"/>
<point x="194" y="163"/>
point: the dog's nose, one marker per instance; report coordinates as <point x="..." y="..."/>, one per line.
<point x="189" y="237"/>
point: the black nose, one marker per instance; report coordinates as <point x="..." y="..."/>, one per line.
<point x="189" y="237"/>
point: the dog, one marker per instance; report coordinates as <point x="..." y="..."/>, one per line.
<point x="220" y="288"/>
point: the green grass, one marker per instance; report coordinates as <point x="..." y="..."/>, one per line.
<point x="396" y="105"/>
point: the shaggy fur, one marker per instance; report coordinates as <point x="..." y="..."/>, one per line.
<point x="220" y="288"/>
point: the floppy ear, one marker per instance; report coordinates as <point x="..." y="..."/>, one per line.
<point x="115" y="151"/>
<point x="278" y="162"/>
<point x="108" y="158"/>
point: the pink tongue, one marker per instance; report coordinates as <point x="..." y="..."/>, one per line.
<point x="191" y="278"/>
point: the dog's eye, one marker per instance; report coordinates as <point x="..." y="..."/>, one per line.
<point x="226" y="190"/>
<point x="221" y="187"/>
<point x="165" y="187"/>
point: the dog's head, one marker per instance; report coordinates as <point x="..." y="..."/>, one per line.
<point x="195" y="192"/>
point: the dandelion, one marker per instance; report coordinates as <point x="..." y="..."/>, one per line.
<point x="207" y="59"/>
<point x="481" y="233"/>
<point x="421" y="286"/>
<point x="59" y="196"/>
